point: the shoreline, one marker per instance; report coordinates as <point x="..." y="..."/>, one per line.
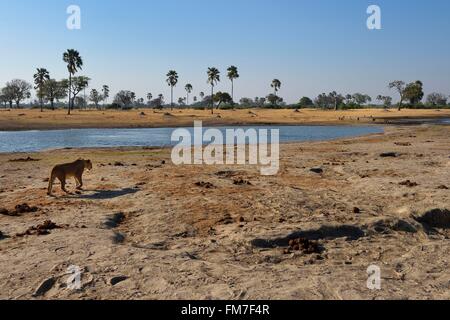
<point x="33" y="120"/>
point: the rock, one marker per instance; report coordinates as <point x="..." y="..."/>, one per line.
<point x="242" y="182"/>
<point x="317" y="170"/>
<point x="206" y="185"/>
<point x="25" y="208"/>
<point x="408" y="183"/>
<point x="442" y="187"/>
<point x="2" y="236"/>
<point x="356" y="210"/>
<point x="118" y="279"/>
<point x="389" y="155"/>
<point x="44" y="287"/>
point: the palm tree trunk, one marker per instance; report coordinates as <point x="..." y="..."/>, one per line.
<point x="212" y="99"/>
<point x="70" y="92"/>
<point x="42" y="102"/>
<point x="232" y="91"/>
<point x="171" y="98"/>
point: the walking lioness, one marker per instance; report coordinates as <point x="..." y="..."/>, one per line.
<point x="69" y="170"/>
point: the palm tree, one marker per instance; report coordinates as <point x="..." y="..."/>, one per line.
<point x="105" y="92"/>
<point x="40" y="78"/>
<point x="213" y="78"/>
<point x="202" y="95"/>
<point x="149" y="97"/>
<point x="74" y="62"/>
<point x="172" y="80"/>
<point x="188" y="89"/>
<point x="232" y="74"/>
<point x="276" y="85"/>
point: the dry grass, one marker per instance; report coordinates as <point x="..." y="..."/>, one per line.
<point x="35" y="120"/>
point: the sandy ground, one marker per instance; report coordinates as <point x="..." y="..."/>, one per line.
<point x="180" y="240"/>
<point x="23" y="119"/>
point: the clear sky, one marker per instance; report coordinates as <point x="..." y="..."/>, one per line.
<point x="312" y="46"/>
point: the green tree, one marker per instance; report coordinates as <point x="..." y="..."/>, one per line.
<point x="305" y="102"/>
<point x="149" y="98"/>
<point x="18" y="90"/>
<point x="76" y="85"/>
<point x="95" y="97"/>
<point x="40" y="77"/>
<point x="414" y="92"/>
<point x="74" y="63"/>
<point x="124" y="98"/>
<point x="213" y="79"/>
<point x="8" y="95"/>
<point x="222" y="97"/>
<point x="400" y="87"/>
<point x="361" y="99"/>
<point x="105" y="93"/>
<point x="437" y="99"/>
<point x="386" y="100"/>
<point x="172" y="80"/>
<point x="232" y="75"/>
<point x="55" y="90"/>
<point x="274" y="99"/>
<point x="188" y="89"/>
<point x="276" y="85"/>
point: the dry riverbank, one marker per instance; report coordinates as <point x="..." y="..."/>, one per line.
<point x="24" y="119"/>
<point x="146" y="229"/>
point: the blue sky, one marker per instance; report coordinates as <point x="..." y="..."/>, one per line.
<point x="312" y="46"/>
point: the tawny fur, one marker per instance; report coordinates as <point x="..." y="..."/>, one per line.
<point x="69" y="170"/>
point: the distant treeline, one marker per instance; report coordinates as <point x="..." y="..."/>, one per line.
<point x="52" y="93"/>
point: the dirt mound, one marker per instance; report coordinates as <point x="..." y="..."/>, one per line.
<point x="409" y="184"/>
<point x="242" y="182"/>
<point x="40" y="230"/>
<point x="305" y="246"/>
<point x="206" y="185"/>
<point x="19" y="209"/>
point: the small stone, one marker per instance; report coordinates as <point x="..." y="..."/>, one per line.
<point x="389" y="155"/>
<point x="356" y="210"/>
<point x="317" y="170"/>
<point x="45" y="286"/>
<point x="118" y="279"/>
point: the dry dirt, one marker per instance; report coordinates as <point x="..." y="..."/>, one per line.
<point x="146" y="229"/>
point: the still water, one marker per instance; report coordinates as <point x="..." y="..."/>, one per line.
<point x="30" y="141"/>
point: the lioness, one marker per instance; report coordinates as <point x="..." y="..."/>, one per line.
<point x="68" y="170"/>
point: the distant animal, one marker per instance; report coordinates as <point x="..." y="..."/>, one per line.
<point x="69" y="170"/>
